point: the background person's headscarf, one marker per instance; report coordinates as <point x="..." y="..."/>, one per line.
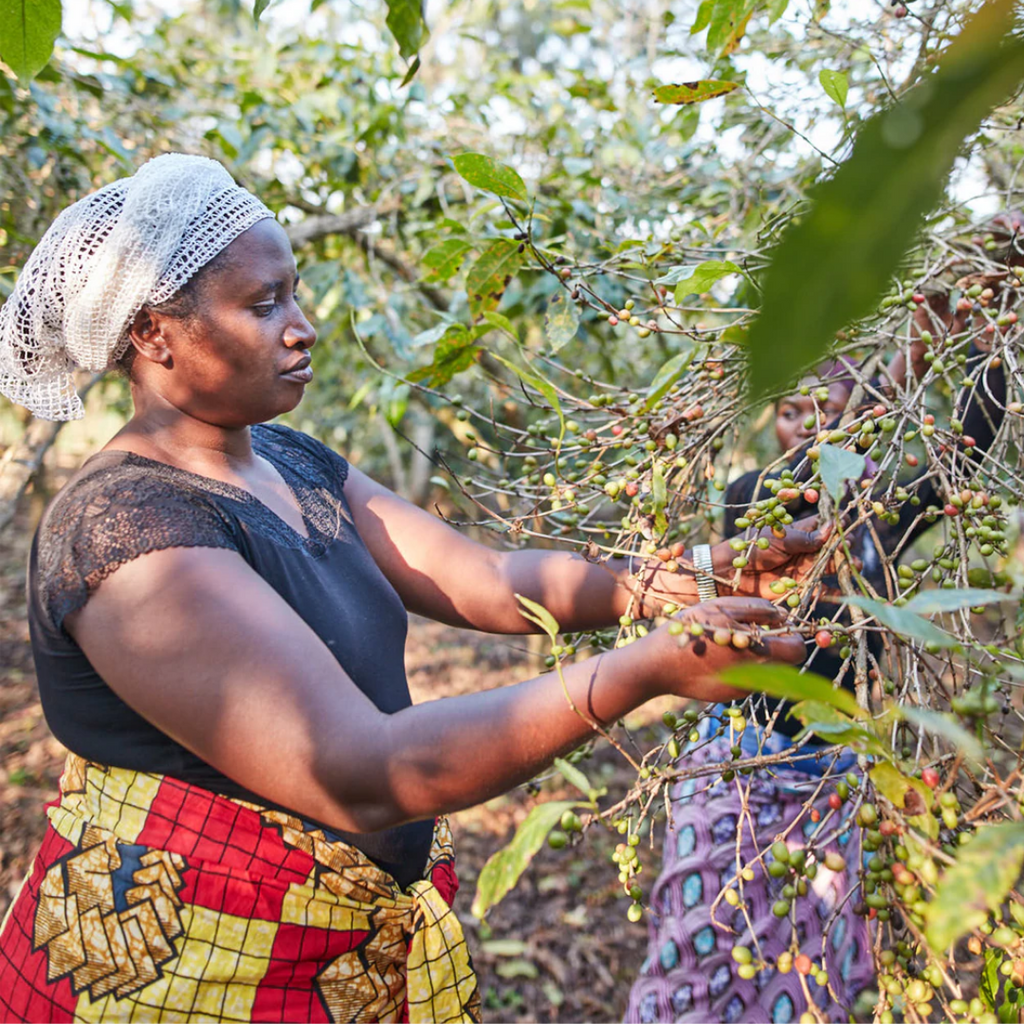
<point x="134" y="242"/>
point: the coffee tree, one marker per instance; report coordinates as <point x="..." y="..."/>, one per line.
<point x="576" y="284"/>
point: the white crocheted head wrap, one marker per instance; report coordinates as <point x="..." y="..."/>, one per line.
<point x="132" y="243"/>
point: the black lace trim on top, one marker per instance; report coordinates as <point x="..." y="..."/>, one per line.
<point x="125" y="505"/>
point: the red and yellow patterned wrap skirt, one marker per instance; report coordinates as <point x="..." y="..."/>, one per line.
<point x="154" y="900"/>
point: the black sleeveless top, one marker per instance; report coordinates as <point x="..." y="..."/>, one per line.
<point x="120" y="505"/>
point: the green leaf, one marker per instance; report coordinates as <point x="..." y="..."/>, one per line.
<point x="490" y="274"/>
<point x="491" y="176"/>
<point x="28" y="30"/>
<point x="838" y="465"/>
<point x="894" y="786"/>
<point x="575" y="777"/>
<point x="561" y="321"/>
<point x="411" y="73"/>
<point x="502" y="323"/>
<point x="405" y="20"/>
<point x="728" y="25"/>
<point x="831" y="266"/>
<point x="544" y="386"/>
<point x="693" y="280"/>
<point x="835" y="84"/>
<point x="902" y="621"/>
<point x="693" y="92"/>
<point x="258" y="7"/>
<point x="989" y="988"/>
<point x="986" y="869"/>
<point x="945" y="726"/>
<point x="539" y="615"/>
<point x="931" y="601"/>
<point x="455" y="352"/>
<point x="776" y="9"/>
<point x="703" y="18"/>
<point x="445" y="259"/>
<point x="666" y="376"/>
<point x="502" y="871"/>
<point x="790" y="684"/>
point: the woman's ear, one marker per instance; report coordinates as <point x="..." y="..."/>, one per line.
<point x="148" y="336"/>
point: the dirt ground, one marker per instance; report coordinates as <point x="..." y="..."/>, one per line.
<point x="558" y="948"/>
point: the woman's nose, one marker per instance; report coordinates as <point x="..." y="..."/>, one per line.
<point x="300" y="332"/>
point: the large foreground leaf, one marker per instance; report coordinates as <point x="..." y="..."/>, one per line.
<point x="405" y="19"/>
<point x="985" y="871"/>
<point x="831" y="267"/>
<point x="28" y="29"/>
<point x="790" y="684"/>
<point x="502" y="871"/>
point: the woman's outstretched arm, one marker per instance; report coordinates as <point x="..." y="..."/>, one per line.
<point x="442" y="574"/>
<point x="208" y="652"/>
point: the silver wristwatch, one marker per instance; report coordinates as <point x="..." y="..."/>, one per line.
<point x="707" y="588"/>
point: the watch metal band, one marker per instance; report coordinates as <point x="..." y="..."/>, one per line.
<point x="707" y="589"/>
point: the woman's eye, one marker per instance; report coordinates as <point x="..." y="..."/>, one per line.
<point x="266" y="309"/>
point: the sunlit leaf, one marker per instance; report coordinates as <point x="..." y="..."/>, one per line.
<point x="28" y="30"/>
<point x="483" y="172"/>
<point x="574" y="776"/>
<point x="561" y="321"/>
<point x="832" y="726"/>
<point x="693" y="92"/>
<point x="832" y="266"/>
<point x="490" y="274"/>
<point x="986" y="869"/>
<point x="502" y="323"/>
<point x="405" y="20"/>
<point x="502" y="871"/>
<point x="539" y="615"/>
<point x="790" y="684"/>
<point x="728" y="25"/>
<point x="837" y="465"/>
<point x="258" y="7"/>
<point x="666" y="377"/>
<point x="902" y="621"/>
<point x="835" y="84"/>
<point x="697" y="278"/>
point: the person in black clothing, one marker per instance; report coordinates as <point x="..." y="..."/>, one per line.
<point x="250" y="824"/>
<point x="717" y="826"/>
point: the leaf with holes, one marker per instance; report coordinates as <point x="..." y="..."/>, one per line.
<point x="491" y="176"/>
<point x="28" y="30"/>
<point x="490" y="274"/>
<point x="561" y="321"/>
<point x="693" y="92"/>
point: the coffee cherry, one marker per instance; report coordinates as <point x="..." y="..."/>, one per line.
<point x="635" y="913"/>
<point x="835" y="801"/>
<point x="803" y="964"/>
<point x="823" y="638"/>
<point x="930" y="777"/>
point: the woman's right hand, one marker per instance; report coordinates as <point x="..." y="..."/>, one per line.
<point x="717" y="635"/>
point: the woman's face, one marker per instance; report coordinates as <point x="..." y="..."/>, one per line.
<point x="244" y="357"/>
<point x="794" y="413"/>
